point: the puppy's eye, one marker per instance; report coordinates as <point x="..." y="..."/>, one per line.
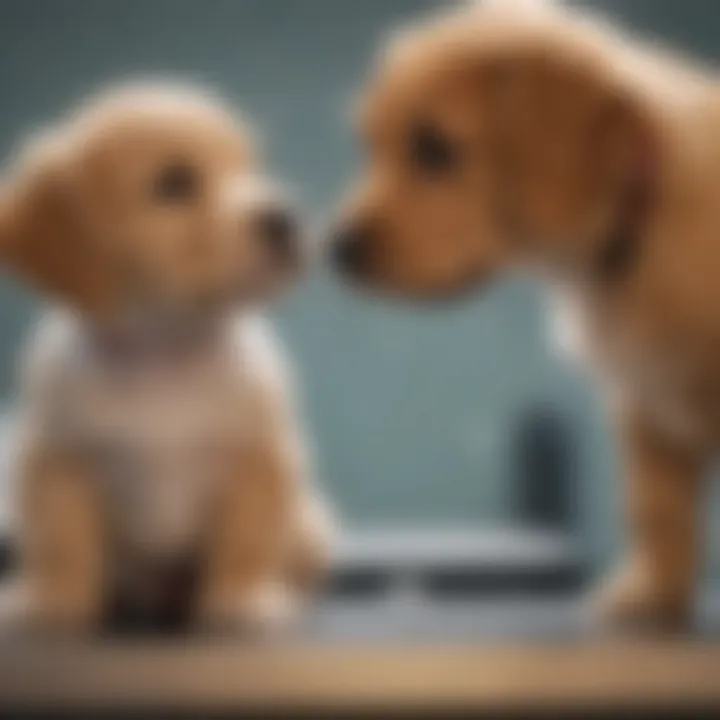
<point x="431" y="151"/>
<point x="176" y="183"/>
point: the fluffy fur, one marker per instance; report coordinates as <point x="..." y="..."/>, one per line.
<point x="555" y="119"/>
<point x="162" y="466"/>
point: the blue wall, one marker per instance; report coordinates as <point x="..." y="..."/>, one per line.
<point x="415" y="413"/>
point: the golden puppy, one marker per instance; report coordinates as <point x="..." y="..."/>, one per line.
<point x="526" y="133"/>
<point x="162" y="472"/>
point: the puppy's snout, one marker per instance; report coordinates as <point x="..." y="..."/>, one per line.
<point x="351" y="249"/>
<point x="278" y="228"/>
<point x="269" y="218"/>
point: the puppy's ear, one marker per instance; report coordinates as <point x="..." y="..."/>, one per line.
<point x="43" y="239"/>
<point x="570" y="147"/>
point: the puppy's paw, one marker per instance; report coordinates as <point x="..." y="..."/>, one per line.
<point x="23" y="611"/>
<point x="269" y="608"/>
<point x="14" y="608"/>
<point x="265" y="610"/>
<point x="631" y="601"/>
<point x="310" y="561"/>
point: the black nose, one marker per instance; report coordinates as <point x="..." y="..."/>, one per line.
<point x="279" y="230"/>
<point x="351" y="250"/>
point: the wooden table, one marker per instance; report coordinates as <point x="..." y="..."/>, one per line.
<point x="482" y="621"/>
<point x="208" y="678"/>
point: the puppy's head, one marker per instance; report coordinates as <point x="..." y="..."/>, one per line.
<point x="491" y="134"/>
<point x="150" y="198"/>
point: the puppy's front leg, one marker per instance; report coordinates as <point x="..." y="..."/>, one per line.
<point x="309" y="556"/>
<point x="61" y="578"/>
<point x="249" y="530"/>
<point x="655" y="588"/>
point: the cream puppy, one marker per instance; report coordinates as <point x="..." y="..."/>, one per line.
<point x="162" y="470"/>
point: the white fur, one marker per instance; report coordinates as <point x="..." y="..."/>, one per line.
<point x="155" y="429"/>
<point x="632" y="374"/>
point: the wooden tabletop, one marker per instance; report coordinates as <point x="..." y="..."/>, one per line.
<point x="211" y="677"/>
<point x="401" y="644"/>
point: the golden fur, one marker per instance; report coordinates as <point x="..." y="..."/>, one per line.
<point x="158" y="361"/>
<point x="554" y="115"/>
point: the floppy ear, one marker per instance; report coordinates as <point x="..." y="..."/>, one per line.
<point x="42" y="236"/>
<point x="573" y="152"/>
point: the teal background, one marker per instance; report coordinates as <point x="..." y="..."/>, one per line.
<point x="414" y="411"/>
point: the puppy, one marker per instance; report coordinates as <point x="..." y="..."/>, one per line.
<point x="162" y="472"/>
<point x="506" y="134"/>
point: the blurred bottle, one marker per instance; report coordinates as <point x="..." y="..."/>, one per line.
<point x="544" y="463"/>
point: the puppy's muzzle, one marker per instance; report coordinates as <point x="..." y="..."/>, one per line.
<point x="278" y="228"/>
<point x="351" y="250"/>
<point x="272" y="218"/>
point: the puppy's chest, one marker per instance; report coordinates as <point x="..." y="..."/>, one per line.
<point x="651" y="368"/>
<point x="158" y="440"/>
<point x="155" y="407"/>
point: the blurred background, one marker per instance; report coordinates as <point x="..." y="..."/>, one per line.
<point x="459" y="416"/>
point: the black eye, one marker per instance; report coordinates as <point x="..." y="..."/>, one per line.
<point x="177" y="183"/>
<point x="432" y="152"/>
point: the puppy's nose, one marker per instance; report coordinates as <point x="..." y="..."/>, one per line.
<point x="351" y="249"/>
<point x="279" y="229"/>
